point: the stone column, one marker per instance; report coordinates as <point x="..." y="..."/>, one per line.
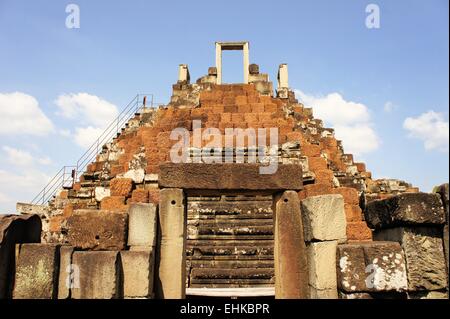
<point x="183" y="74"/>
<point x="246" y="61"/>
<point x="219" y="63"/>
<point x="291" y="265"/>
<point x="171" y="258"/>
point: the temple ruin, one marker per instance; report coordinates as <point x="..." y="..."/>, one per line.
<point x="134" y="224"/>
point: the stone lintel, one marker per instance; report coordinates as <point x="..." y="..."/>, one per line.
<point x="229" y="176"/>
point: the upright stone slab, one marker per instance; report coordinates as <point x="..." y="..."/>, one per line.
<point x="14" y="229"/>
<point x="67" y="275"/>
<point x="322" y="269"/>
<point x="97" y="230"/>
<point x="142" y="225"/>
<point x="324" y="218"/>
<point x="137" y="273"/>
<point x="99" y="275"/>
<point x="171" y="269"/>
<point x="291" y="264"/>
<point x="405" y="209"/>
<point x="36" y="271"/>
<point x="442" y="190"/>
<point x="425" y="260"/>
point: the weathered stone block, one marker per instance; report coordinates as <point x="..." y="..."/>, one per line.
<point x="315" y="293"/>
<point x="322" y="268"/>
<point x="99" y="275"/>
<point x="66" y="272"/>
<point x="424" y="254"/>
<point x="291" y="263"/>
<point x="324" y="218"/>
<point x="443" y="191"/>
<point x="137" y="175"/>
<point x="253" y="69"/>
<point x="121" y="186"/>
<point x="116" y="203"/>
<point x="14" y="229"/>
<point x="36" y="271"/>
<point x="101" y="192"/>
<point x="405" y="209"/>
<point x="142" y="225"/>
<point x="137" y="273"/>
<point x="351" y="268"/>
<point x="385" y="266"/>
<point x="170" y="263"/>
<point x="371" y="267"/>
<point x="229" y="176"/>
<point x="428" y="295"/>
<point x="97" y="230"/>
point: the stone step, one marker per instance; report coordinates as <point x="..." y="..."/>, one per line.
<point x="241" y="273"/>
<point x="231" y="264"/>
<point x="230" y="283"/>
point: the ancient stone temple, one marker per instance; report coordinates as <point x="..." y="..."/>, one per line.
<point x="184" y="202"/>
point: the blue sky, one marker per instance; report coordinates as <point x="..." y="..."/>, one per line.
<point x="396" y="76"/>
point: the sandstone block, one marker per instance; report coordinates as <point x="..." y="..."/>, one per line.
<point x="315" y="293"/>
<point x="371" y="267"/>
<point x="116" y="203"/>
<point x="66" y="272"/>
<point x="137" y="273"/>
<point x="171" y="268"/>
<point x="15" y="229"/>
<point x="428" y="295"/>
<point x="99" y="275"/>
<point x="36" y="271"/>
<point x="101" y="192"/>
<point x="229" y="176"/>
<point x="322" y="267"/>
<point x="121" y="186"/>
<point x="142" y="225"/>
<point x="443" y="191"/>
<point x="358" y="231"/>
<point x="137" y="175"/>
<point x="324" y="218"/>
<point x="350" y="195"/>
<point x="253" y="68"/>
<point x="405" y="209"/>
<point x="139" y="196"/>
<point x="97" y="230"/>
<point x="424" y="254"/>
<point x="291" y="263"/>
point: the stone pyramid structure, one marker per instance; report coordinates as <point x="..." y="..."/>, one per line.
<point x="113" y="214"/>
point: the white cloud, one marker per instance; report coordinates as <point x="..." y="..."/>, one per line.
<point x="86" y="108"/>
<point x="91" y="111"/>
<point x="389" y="107"/>
<point x="20" y="114"/>
<point x="23" y="158"/>
<point x="19" y="187"/>
<point x="4" y="199"/>
<point x="85" y="136"/>
<point x="351" y="120"/>
<point x="431" y="128"/>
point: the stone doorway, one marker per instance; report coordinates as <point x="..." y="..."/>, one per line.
<point x="184" y="232"/>
<point x="230" y="245"/>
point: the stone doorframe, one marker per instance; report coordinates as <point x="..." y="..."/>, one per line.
<point x="177" y="181"/>
<point x="241" y="46"/>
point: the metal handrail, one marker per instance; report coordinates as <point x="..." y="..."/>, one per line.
<point x="60" y="180"/>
